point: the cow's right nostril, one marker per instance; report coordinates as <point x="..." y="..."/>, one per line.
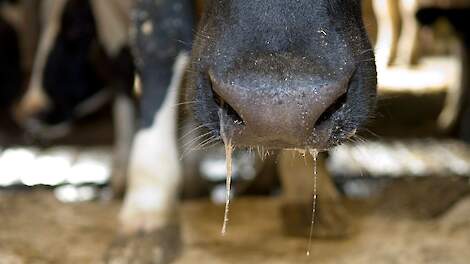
<point x="229" y="111"/>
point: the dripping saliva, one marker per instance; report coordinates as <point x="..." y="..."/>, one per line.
<point x="226" y="135"/>
<point x="314" y="153"/>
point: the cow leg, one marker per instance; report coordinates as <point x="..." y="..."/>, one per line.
<point x="149" y="217"/>
<point x="331" y="219"/>
<point x="154" y="170"/>
<point x="124" y="114"/>
<point x="35" y="98"/>
<point x="124" y="127"/>
<point x="161" y="35"/>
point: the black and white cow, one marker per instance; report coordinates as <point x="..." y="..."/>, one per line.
<point x="280" y="74"/>
<point x="83" y="61"/>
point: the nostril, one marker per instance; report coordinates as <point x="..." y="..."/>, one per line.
<point x="230" y="112"/>
<point x="330" y="111"/>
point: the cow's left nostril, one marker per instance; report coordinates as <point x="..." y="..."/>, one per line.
<point x="229" y="111"/>
<point x="330" y="111"/>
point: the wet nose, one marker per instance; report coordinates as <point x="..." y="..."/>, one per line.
<point x="280" y="113"/>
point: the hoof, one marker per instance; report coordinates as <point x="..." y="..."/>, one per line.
<point x="161" y="246"/>
<point x="118" y="184"/>
<point x="331" y="220"/>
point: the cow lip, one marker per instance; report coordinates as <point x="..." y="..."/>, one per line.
<point x="239" y="138"/>
<point x="320" y="140"/>
<point x="281" y="145"/>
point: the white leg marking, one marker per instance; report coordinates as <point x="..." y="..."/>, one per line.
<point x="154" y="170"/>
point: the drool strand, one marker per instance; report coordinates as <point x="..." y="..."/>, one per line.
<point x="227" y="139"/>
<point x="314" y="154"/>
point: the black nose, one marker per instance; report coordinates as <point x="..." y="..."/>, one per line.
<point x="288" y="112"/>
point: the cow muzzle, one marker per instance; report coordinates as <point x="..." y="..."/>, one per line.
<point x="288" y="112"/>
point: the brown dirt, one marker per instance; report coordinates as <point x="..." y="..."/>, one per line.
<point x="35" y="228"/>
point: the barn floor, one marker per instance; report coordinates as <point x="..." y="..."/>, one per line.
<point x="36" y="228"/>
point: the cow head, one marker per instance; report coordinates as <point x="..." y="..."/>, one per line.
<point x="283" y="74"/>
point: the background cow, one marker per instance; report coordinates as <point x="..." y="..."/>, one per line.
<point x="82" y="63"/>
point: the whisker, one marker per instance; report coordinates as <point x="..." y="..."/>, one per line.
<point x="214" y="142"/>
<point x="195" y="129"/>
<point x="372" y="133"/>
<point x="192" y="149"/>
<point x="186" y="103"/>
<point x="196" y="139"/>
<point x="206" y="145"/>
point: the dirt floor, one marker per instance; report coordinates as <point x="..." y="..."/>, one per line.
<point x="36" y="228"/>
